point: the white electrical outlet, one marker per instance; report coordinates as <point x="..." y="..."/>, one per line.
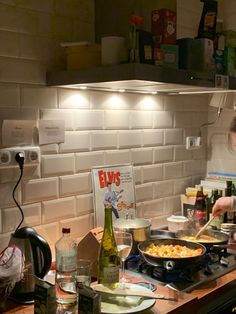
<point x="193" y="142"/>
<point x="31" y="153"/>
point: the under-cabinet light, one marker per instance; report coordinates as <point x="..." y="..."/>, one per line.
<point x="83" y="87"/>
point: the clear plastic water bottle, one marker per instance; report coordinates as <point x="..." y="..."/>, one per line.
<point x="66" y="266"/>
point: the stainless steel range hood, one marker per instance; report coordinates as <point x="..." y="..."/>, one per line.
<point x="138" y="78"/>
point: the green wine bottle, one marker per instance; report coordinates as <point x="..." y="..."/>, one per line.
<point x="109" y="261"/>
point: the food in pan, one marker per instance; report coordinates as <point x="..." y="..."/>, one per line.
<point x="172" y="251"/>
<point x="203" y="238"/>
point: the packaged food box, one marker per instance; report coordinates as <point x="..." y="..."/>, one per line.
<point x="163" y="26"/>
<point x="229" y="61"/>
<point x="44" y="296"/>
<point x="219" y="61"/>
<point x="170" y="56"/>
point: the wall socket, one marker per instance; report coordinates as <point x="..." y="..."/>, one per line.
<point x="31" y="154"/>
<point x="193" y="142"/>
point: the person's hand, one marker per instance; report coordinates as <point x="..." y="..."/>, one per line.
<point x="222" y="205"/>
<point x="122" y="190"/>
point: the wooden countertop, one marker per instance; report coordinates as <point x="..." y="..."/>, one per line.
<point x="187" y="302"/>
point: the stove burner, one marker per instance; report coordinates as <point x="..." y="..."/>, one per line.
<point x="213" y="265"/>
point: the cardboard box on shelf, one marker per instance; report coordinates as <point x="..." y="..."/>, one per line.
<point x="82" y="55"/>
<point x="163" y="26"/>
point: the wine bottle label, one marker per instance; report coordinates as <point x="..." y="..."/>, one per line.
<point x="111" y="274"/>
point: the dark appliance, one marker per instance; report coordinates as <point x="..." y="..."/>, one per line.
<point x="37" y="262"/>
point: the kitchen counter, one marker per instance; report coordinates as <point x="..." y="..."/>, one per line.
<point x="187" y="302"/>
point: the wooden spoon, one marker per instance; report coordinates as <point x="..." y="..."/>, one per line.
<point x="204" y="228"/>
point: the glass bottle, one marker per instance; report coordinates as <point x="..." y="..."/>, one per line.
<point x="217" y="220"/>
<point x="109" y="261"/>
<point x="200" y="216"/>
<point x="66" y="266"/>
<point x="228" y="216"/>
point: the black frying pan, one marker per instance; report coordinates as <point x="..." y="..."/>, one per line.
<point x="220" y="237"/>
<point x="168" y="262"/>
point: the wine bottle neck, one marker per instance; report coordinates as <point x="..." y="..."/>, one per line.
<point x="108" y="219"/>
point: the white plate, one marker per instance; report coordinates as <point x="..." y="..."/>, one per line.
<point x="127" y="304"/>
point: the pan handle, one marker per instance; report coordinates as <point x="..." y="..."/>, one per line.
<point x="169" y="265"/>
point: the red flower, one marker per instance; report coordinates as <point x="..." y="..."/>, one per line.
<point x="136" y="20"/>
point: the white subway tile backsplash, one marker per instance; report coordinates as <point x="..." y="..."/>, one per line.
<point x="11" y="217"/>
<point x="75" y="141"/>
<point x="111" y="101"/>
<point x="144" y="192"/>
<point x="4" y="240"/>
<point x="60" y="164"/>
<point x="75" y="184"/>
<point x="173" y="170"/>
<point x="103" y="140"/>
<point x="55" y="210"/>
<point x="141" y="119"/>
<point x="129" y="139"/>
<point x="39" y="190"/>
<point x="88" y="120"/>
<point x="73" y="99"/>
<point x="163" y="119"/>
<point x="9" y="95"/>
<point x="137" y="175"/>
<point x="153" y="208"/>
<point x="151" y="173"/>
<point x="181" y="184"/>
<point x="22" y="71"/>
<point x="172" y="205"/>
<point x="173" y="136"/>
<point x="163" y="189"/>
<point x="152" y="137"/>
<point x="192" y="167"/>
<point x="188" y="119"/>
<point x="163" y="154"/>
<point x="181" y="153"/>
<point x="117" y="119"/>
<point x="84" y="204"/>
<point x="49" y="149"/>
<point x="85" y="161"/>
<point x="43" y="97"/>
<point x="6" y="190"/>
<point x="117" y="157"/>
<point x="150" y="102"/>
<point x="11" y="174"/>
<point x="59" y="114"/>
<point x="142" y="156"/>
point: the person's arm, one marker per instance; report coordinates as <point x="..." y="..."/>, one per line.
<point x="224" y="204"/>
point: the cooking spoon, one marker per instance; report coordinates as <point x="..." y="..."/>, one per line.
<point x="204" y="228"/>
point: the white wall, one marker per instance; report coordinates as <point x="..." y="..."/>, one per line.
<point x="146" y="131"/>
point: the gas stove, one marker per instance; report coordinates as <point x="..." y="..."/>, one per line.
<point x="213" y="266"/>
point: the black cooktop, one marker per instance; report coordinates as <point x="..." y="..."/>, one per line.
<point x="213" y="266"/>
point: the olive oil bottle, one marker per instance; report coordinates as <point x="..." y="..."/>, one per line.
<point x="109" y="261"/>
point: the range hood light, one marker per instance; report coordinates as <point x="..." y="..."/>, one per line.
<point x="153" y="93"/>
<point x="121" y="90"/>
<point x="83" y="87"/>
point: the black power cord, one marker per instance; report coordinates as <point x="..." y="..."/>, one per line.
<point x="20" y="159"/>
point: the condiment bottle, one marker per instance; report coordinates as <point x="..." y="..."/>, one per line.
<point x="200" y="216"/>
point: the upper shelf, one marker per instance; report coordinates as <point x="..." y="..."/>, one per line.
<point x="138" y="78"/>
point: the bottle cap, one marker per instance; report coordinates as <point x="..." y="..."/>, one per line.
<point x="65" y="230"/>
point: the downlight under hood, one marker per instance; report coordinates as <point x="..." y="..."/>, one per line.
<point x="138" y="78"/>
